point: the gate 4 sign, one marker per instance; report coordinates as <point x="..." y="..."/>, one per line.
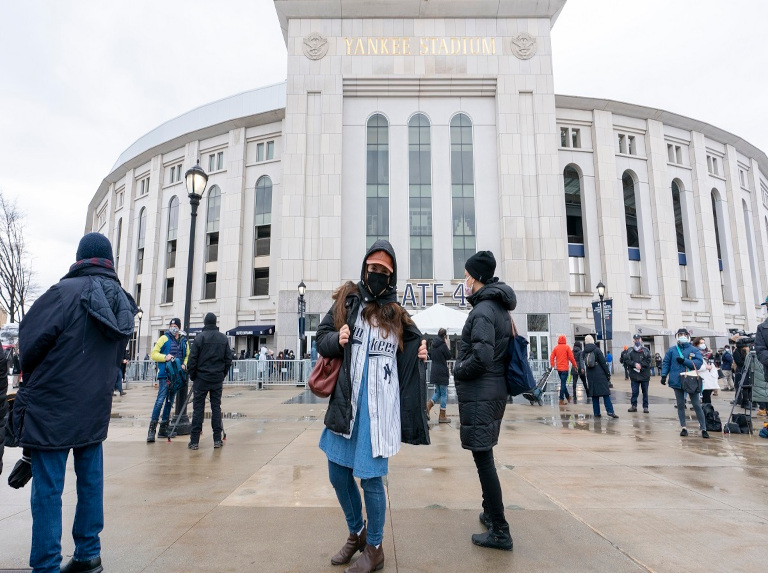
<point x="421" y="295"/>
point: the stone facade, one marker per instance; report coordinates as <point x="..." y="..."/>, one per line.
<point x="348" y="60"/>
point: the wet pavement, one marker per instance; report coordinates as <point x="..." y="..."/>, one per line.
<point x="582" y="493"/>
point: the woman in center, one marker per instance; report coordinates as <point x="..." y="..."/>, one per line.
<point x="378" y="402"/>
<point x="481" y="387"/>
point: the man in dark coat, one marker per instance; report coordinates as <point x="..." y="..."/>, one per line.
<point x="71" y="344"/>
<point x="598" y="377"/>
<point x="637" y="360"/>
<point x="209" y="361"/>
<point x="481" y="388"/>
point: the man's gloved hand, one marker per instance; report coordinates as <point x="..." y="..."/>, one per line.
<point x="664" y="380"/>
<point x="21" y="474"/>
<point x="680" y="360"/>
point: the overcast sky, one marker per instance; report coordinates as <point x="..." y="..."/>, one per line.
<point x="81" y="80"/>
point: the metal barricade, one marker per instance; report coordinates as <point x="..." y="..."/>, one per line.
<point x="140" y="371"/>
<point x="265" y="373"/>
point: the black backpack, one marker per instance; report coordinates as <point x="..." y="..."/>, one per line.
<point x="589" y="359"/>
<point x="712" y="419"/>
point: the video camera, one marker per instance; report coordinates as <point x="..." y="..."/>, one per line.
<point x="742" y="339"/>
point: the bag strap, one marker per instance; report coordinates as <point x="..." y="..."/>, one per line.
<point x="696" y="370"/>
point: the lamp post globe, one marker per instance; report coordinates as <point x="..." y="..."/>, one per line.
<point x="600" y="289"/>
<point x="139" y="315"/>
<point x="196" y="180"/>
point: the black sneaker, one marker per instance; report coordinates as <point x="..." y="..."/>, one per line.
<point x="683" y="432"/>
<point x="645" y="410"/>
<point x="704" y="434"/>
<point x="612" y="415"/>
<point x="193" y="446"/>
<point x="632" y="409"/>
<point x="494" y="539"/>
<point x="485" y="519"/>
<point x="217" y="444"/>
<point x="90" y="566"/>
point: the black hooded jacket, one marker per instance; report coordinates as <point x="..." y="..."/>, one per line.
<point x="481" y="365"/>
<point x="440" y="356"/>
<point x="209" y="358"/>
<point x="71" y="344"/>
<point x="411" y="370"/>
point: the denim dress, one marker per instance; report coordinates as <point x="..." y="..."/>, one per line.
<point x="356" y="452"/>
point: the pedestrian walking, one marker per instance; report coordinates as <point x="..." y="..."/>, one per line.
<point x="560" y="358"/>
<point x="595" y="368"/>
<point x="657" y="359"/>
<point x="622" y="356"/>
<point x="439" y="374"/>
<point x="708" y="372"/>
<point x="481" y="388"/>
<point x="726" y="365"/>
<point x="578" y="348"/>
<point x="71" y="342"/>
<point x="760" y="385"/>
<point x="377" y="403"/>
<point x="637" y="360"/>
<point x="169" y="346"/>
<point x="680" y="358"/>
<point x="123" y="365"/>
<point x="609" y="360"/>
<point x="4" y="362"/>
<point x="209" y="360"/>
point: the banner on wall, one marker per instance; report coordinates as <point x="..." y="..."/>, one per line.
<point x="596" y="310"/>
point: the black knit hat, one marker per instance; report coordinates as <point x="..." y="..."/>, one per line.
<point x="94" y="246"/>
<point x="481" y="266"/>
<point x="175" y="321"/>
<point x="683" y="331"/>
<point x="210" y="319"/>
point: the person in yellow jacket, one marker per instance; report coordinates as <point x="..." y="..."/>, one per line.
<point x="169" y="346"/>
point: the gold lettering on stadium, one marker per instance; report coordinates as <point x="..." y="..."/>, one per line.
<point x="425" y="46"/>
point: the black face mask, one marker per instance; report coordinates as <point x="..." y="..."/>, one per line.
<point x="376" y="283"/>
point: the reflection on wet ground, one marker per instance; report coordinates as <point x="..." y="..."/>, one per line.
<point x="306" y="397"/>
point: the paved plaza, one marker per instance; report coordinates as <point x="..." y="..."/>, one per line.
<point x="582" y="494"/>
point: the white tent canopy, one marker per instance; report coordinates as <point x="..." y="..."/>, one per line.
<point x="440" y="316"/>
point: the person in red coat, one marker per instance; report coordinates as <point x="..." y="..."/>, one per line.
<point x="561" y="357"/>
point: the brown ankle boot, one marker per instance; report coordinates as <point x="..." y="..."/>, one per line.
<point x="430" y="403"/>
<point x="443" y="419"/>
<point x="354" y="544"/>
<point x="372" y="559"/>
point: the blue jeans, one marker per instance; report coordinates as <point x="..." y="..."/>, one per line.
<point x="162" y="393"/>
<point x="596" y="405"/>
<point x="48" y="469"/>
<point x="564" y="385"/>
<point x="441" y="393"/>
<point x="636" y="386"/>
<point x="348" y="495"/>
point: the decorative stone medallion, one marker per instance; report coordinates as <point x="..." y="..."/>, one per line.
<point x="523" y="46"/>
<point x="315" y="46"/>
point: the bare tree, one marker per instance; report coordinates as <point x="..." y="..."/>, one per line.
<point x="16" y="275"/>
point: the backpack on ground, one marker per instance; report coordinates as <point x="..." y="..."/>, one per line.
<point x="712" y="418"/>
<point x="519" y="376"/>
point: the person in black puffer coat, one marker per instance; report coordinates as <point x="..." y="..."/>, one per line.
<point x="439" y="374"/>
<point x="598" y="377"/>
<point x="209" y="360"/>
<point x="481" y="388"/>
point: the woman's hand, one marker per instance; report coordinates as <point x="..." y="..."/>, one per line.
<point x="423" y="351"/>
<point x="343" y="336"/>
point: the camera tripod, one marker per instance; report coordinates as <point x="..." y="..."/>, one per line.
<point x="746" y="382"/>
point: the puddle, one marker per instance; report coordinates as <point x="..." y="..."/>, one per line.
<point x="306" y="397"/>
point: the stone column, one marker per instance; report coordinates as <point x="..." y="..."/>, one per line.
<point x="665" y="240"/>
<point x="611" y="225"/>
<point x="706" y="253"/>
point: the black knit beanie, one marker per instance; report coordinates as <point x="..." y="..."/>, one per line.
<point x="94" y="246"/>
<point x="210" y="319"/>
<point x="481" y="266"/>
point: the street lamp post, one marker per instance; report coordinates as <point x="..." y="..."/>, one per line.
<point x="601" y="294"/>
<point x="302" y="289"/>
<point x="138" y="345"/>
<point x="196" y="180"/>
